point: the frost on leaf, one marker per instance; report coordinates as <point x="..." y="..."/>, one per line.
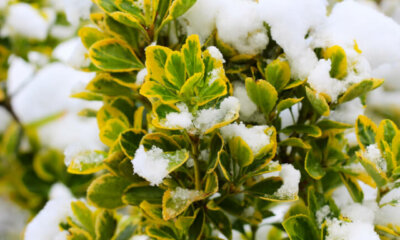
<point x="176" y="201"/>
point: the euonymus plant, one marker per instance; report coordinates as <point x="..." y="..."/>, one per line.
<point x="181" y="162"/>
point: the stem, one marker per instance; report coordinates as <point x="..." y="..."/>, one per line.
<point x="196" y="174"/>
<point x="196" y="166"/>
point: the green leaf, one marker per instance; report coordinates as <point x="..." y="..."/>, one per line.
<point x="317" y="102"/>
<point x="197" y="228"/>
<point x="365" y="131"/>
<point x="373" y="171"/>
<point x="313" y="164"/>
<point x="221" y="222"/>
<point x="87" y="162"/>
<point x="104" y="84"/>
<point x="294" y="142"/>
<point x="225" y="165"/>
<point x="300" y="227"/>
<point x="310" y="130"/>
<point x="176" y="201"/>
<point x="216" y="147"/>
<point x="162" y="232"/>
<point x="329" y="125"/>
<point x="129" y="141"/>
<point x="106" y="225"/>
<point x="211" y="185"/>
<point x="315" y="201"/>
<point x="90" y="35"/>
<point x="338" y="61"/>
<point x="120" y="31"/>
<point x="111" y="131"/>
<point x="106" y="191"/>
<point x="357" y="90"/>
<point x="78" y="234"/>
<point x="396" y="149"/>
<point x="179" y="7"/>
<point x="107" y="5"/>
<point x="266" y="188"/>
<point x="129" y="20"/>
<point x="287" y="103"/>
<point x="278" y="74"/>
<point x="262" y="93"/>
<point x="49" y="165"/>
<point x="114" y="55"/>
<point x="175" y="69"/>
<point x="240" y="151"/>
<point x="386" y="132"/>
<point x="191" y="51"/>
<point x="137" y="194"/>
<point x="353" y="187"/>
<point x="160" y="140"/>
<point x="83" y="214"/>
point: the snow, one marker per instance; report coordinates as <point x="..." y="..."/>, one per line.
<point x="45" y="225"/>
<point x="60" y="191"/>
<point x="348" y="112"/>
<point x="290" y="21"/>
<point x="341" y="230"/>
<point x="141" y="76"/>
<point x="19" y="73"/>
<point x="254" y="136"/>
<point x="76" y="10"/>
<point x="291" y="179"/>
<point x="5" y="119"/>
<point x="140" y="237"/>
<point x="37" y="26"/>
<point x="74" y="151"/>
<point x="184" y="195"/>
<point x="322" y="82"/>
<point x="206" y="118"/>
<point x="72" y="53"/>
<point x="48" y="93"/>
<point x="215" y="53"/>
<point x="322" y="214"/>
<point x="373" y="154"/>
<point x="389" y="214"/>
<point x="248" y="109"/>
<point x="183" y="119"/>
<point x="151" y="165"/>
<point x="239" y="23"/>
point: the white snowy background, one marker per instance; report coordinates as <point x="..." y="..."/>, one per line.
<point x="40" y="88"/>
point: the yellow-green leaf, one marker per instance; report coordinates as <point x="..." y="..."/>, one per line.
<point x="90" y="35"/>
<point x="278" y="74"/>
<point x="240" y="151"/>
<point x="178" y="200"/>
<point x="365" y="131"/>
<point x="262" y="93"/>
<point x="114" y="55"/>
<point x="318" y="102"/>
<point x="338" y="61"/>
<point x="87" y="162"/>
<point x="191" y="52"/>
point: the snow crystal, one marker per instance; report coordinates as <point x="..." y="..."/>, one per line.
<point x="322" y="214"/>
<point x="206" y="118"/>
<point x="182" y="119"/>
<point x="140" y="77"/>
<point x="35" y="28"/>
<point x="322" y="82"/>
<point x="291" y="179"/>
<point x="183" y="194"/>
<point x="215" y="53"/>
<point x="151" y="165"/>
<point x="373" y="154"/>
<point x="340" y="230"/>
<point x="254" y="136"/>
<point x="74" y="150"/>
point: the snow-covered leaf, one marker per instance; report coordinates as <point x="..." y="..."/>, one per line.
<point x="338" y="58"/>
